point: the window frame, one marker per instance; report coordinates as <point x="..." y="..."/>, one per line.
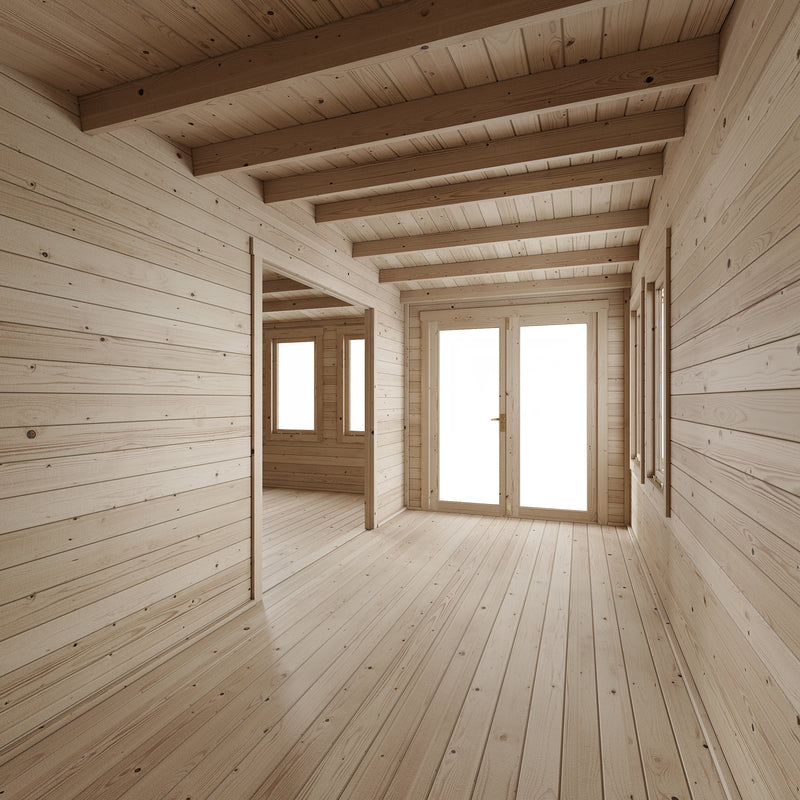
<point x="343" y="432"/>
<point x="651" y="409"/>
<point x="636" y="380"/>
<point x="659" y="386"/>
<point x="271" y="341"/>
<point x="663" y="442"/>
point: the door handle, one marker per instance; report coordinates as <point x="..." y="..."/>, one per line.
<point x="502" y="420"/>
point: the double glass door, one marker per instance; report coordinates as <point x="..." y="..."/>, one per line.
<point x="512" y="412"/>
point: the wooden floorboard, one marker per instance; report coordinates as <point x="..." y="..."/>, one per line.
<point x="334" y="518"/>
<point x="439" y="656"/>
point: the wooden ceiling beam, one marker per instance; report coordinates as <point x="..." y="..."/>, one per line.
<point x="655" y="126"/>
<point x="497" y="291"/>
<point x="282" y="285"/>
<point x="395" y="31"/>
<point x="564" y="226"/>
<point x="496" y="266"/>
<point x="671" y="65"/>
<point x="303" y="303"/>
<point x="550" y="180"/>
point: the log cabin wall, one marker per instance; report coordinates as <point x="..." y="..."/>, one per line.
<point x="616" y="460"/>
<point x="125" y="416"/>
<point x="727" y="561"/>
<point x="335" y="463"/>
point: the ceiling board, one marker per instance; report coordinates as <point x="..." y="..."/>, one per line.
<point x="673" y="64"/>
<point x="82" y="46"/>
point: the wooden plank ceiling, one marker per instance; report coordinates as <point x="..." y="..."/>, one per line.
<point x="287" y="300"/>
<point x="456" y="143"/>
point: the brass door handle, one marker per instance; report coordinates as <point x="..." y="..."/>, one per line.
<point x="502" y="420"/>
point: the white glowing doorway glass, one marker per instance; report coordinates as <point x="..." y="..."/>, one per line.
<point x="469" y="448"/>
<point x="553" y="416"/>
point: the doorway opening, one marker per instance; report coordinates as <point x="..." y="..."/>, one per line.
<point x="313" y="393"/>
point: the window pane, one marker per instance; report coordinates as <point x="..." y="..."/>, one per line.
<point x="355" y="385"/>
<point x="553" y="417"/>
<point x="469" y="376"/>
<point x="295" y="385"/>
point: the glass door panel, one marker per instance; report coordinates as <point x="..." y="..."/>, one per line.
<point x="553" y="403"/>
<point x="469" y="406"/>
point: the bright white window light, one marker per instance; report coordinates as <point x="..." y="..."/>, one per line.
<point x="469" y="374"/>
<point x="355" y="385"/>
<point x="553" y="417"/>
<point x="295" y="385"/>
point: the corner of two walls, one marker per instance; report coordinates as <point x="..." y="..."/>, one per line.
<point x="727" y="561"/>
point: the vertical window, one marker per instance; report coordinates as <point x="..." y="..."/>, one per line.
<point x="294" y="385"/>
<point x="354" y="385"/>
<point x="637" y="377"/>
<point x="650" y="372"/>
<point x="649" y="375"/>
<point x="660" y="383"/>
<point x="633" y="375"/>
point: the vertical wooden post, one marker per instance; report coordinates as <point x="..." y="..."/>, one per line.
<point x="650" y="412"/>
<point x="370" y="432"/>
<point x="641" y="421"/>
<point x="256" y="423"/>
<point x="668" y="376"/>
<point x="429" y="427"/>
<point x="628" y="390"/>
<point x="510" y="406"/>
<point x="602" y="416"/>
<point x="406" y="406"/>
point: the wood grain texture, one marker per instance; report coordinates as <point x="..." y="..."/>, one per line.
<point x="678" y="64"/>
<point x="437" y="665"/>
<point x="608" y="134"/>
<point x="574" y="258"/>
<point x="726" y="562"/>
<point x="126" y="323"/>
<point x="616" y="220"/>
<point x="532" y="289"/>
<point x="391" y="32"/>
<point x="596" y="173"/>
<point x="303" y="303"/>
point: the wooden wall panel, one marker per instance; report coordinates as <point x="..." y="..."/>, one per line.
<point x="727" y="562"/>
<point x="125" y="426"/>
<point x="615" y="464"/>
<point x="333" y="464"/>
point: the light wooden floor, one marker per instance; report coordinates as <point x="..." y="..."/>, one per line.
<point x="289" y="514"/>
<point x="441" y="656"/>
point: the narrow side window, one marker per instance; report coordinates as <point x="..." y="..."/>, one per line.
<point x="660" y="385"/>
<point x="354" y="385"/>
